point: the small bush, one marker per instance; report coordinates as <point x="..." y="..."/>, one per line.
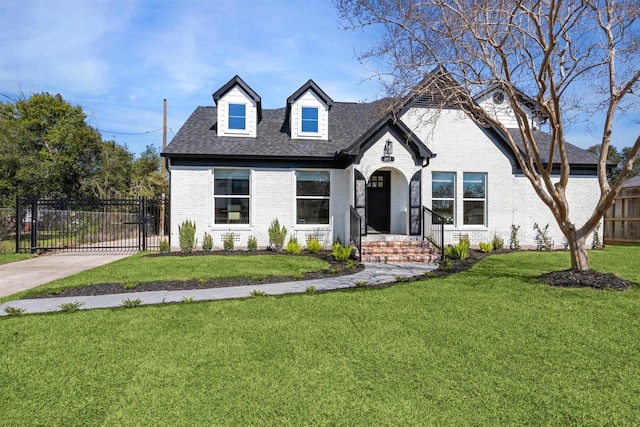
<point x="446" y="264"/>
<point x="459" y="251"/>
<point x="360" y="283"/>
<point x="486" y="247"/>
<point x="351" y="264"/>
<point x="340" y="252"/>
<point x="310" y="289"/>
<point x="14" y="311"/>
<point x="514" y="243"/>
<point x="497" y="242"/>
<point x="129" y="286"/>
<point x="252" y="244"/>
<point x="277" y="234"/>
<point x="314" y="246"/>
<point x="207" y="242"/>
<point x="401" y="279"/>
<point x="542" y="237"/>
<point x="597" y="243"/>
<point x="257" y="293"/>
<point x="334" y="270"/>
<point x="188" y="300"/>
<point x="228" y="241"/>
<point x="293" y="247"/>
<point x="164" y="246"/>
<point x="130" y="303"/>
<point x="187" y="235"/>
<point x="70" y="307"/>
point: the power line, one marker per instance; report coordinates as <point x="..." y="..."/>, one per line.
<point x="8" y="97"/>
<point x="128" y="133"/>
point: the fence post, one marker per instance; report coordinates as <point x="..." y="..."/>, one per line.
<point x="34" y="224"/>
<point x="143" y="222"/>
<point x="18" y="224"/>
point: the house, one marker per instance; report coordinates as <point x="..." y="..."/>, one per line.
<point x="317" y="164"/>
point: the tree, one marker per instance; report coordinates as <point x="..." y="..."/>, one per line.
<point x="576" y="57"/>
<point x="47" y="147"/>
<point x="146" y="175"/>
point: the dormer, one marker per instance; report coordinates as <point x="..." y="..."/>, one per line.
<point x="239" y="109"/>
<point x="494" y="101"/>
<point x="308" y="112"/>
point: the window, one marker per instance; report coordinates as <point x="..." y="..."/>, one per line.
<point x="231" y="196"/>
<point x="312" y="197"/>
<point x="237" y="116"/>
<point x="309" y="119"/>
<point x="474" y="188"/>
<point x="443" y="191"/>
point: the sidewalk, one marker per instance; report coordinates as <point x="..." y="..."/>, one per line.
<point x="372" y="274"/>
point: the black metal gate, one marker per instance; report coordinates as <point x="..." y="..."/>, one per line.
<point x="91" y="224"/>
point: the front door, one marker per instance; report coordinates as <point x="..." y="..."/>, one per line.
<point x="379" y="202"/>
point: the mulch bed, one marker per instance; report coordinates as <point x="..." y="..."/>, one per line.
<point x="566" y="278"/>
<point x="334" y="269"/>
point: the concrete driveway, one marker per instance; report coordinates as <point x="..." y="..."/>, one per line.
<point x="21" y="275"/>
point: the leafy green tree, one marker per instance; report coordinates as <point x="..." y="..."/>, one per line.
<point x="146" y="178"/>
<point x="113" y="175"/>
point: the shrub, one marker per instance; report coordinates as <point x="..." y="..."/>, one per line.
<point x="277" y="235"/>
<point x="188" y="300"/>
<point x="401" y="279"/>
<point x="130" y="303"/>
<point x="129" y="286"/>
<point x="314" y="246"/>
<point x="351" y="264"/>
<point x="497" y="242"/>
<point x="257" y="293"/>
<point x="340" y="252"/>
<point x="70" y="307"/>
<point x="360" y="283"/>
<point x="514" y="243"/>
<point x="252" y="243"/>
<point x="310" y="289"/>
<point x="293" y="247"/>
<point x="187" y="235"/>
<point x="14" y="311"/>
<point x="207" y="242"/>
<point x="228" y="241"/>
<point x="446" y="264"/>
<point x="486" y="247"/>
<point x="164" y="246"/>
<point x="459" y="251"/>
<point x="597" y="243"/>
<point x="542" y="237"/>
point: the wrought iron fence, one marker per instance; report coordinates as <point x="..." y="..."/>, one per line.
<point x="90" y="224"/>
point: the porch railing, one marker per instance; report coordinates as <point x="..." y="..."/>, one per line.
<point x="433" y="228"/>
<point x="355" y="231"/>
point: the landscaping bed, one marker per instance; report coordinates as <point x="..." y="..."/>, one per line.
<point x="334" y="269"/>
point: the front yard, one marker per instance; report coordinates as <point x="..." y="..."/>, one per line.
<point x="491" y="346"/>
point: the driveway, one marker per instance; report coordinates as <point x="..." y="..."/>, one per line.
<point x="21" y="275"/>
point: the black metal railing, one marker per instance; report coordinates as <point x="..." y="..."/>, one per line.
<point x="433" y="228"/>
<point x="355" y="231"/>
<point x="90" y="224"/>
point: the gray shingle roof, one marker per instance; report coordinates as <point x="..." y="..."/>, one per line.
<point x="632" y="182"/>
<point x="576" y="155"/>
<point x="198" y="136"/>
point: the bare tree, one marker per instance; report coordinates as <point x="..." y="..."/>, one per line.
<point x="574" y="57"/>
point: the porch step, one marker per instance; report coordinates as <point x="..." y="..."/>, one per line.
<point x="384" y="251"/>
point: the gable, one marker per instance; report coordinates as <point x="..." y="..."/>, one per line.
<point x="308" y="112"/>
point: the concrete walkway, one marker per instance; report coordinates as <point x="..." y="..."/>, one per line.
<point x="12" y="275"/>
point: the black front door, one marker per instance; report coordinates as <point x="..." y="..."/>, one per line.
<point x="379" y="202"/>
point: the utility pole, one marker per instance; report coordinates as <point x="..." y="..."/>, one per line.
<point x="163" y="168"/>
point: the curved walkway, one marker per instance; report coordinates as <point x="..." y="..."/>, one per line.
<point x="373" y="274"/>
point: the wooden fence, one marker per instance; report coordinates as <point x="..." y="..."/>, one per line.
<point x="622" y="220"/>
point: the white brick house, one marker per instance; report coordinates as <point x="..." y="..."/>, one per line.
<point x="236" y="167"/>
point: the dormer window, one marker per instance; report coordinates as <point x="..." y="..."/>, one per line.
<point x="309" y="119"/>
<point x="237" y="116"/>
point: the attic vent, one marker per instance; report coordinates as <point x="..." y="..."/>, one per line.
<point x="429" y="100"/>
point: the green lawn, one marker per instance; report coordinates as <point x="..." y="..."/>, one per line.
<point x="143" y="268"/>
<point x="487" y="347"/>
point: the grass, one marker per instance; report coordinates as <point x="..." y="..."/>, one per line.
<point x="141" y="268"/>
<point x="13" y="257"/>
<point x="491" y="346"/>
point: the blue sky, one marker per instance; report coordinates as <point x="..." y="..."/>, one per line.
<point x="119" y="59"/>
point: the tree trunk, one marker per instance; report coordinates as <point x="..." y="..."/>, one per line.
<point x="578" y="249"/>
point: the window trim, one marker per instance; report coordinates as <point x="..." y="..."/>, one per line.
<point x="476" y="199"/>
<point x="230" y="116"/>
<point x="303" y="120"/>
<point x="215" y="196"/>
<point x="312" y="197"/>
<point x="452" y="199"/>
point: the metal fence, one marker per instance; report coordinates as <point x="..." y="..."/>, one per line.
<point x="90" y="224"/>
